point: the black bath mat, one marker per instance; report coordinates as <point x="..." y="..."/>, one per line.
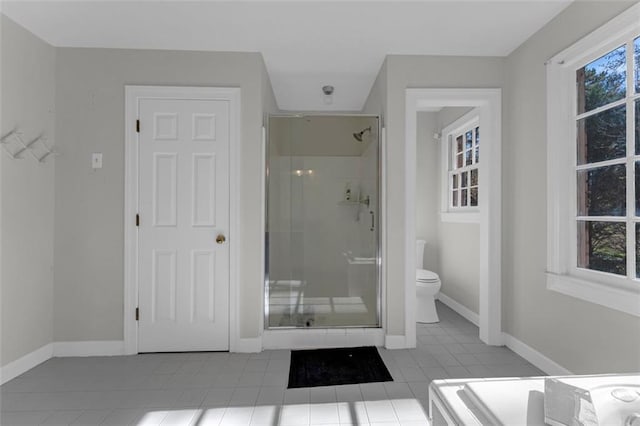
<point x="340" y="366"/>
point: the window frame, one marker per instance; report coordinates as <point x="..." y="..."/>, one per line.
<point x="563" y="274"/>
<point x="448" y="212"/>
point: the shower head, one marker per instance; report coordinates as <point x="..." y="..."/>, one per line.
<point x="358" y="135"/>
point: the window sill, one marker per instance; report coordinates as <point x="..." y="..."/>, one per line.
<point x="460" y="217"/>
<point x="623" y="300"/>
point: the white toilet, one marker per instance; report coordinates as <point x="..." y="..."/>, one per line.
<point x="427" y="286"/>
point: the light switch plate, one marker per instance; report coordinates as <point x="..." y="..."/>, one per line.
<point x="96" y="160"/>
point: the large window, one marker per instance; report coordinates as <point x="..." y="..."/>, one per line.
<point x="593" y="103"/>
<point x="606" y="162"/>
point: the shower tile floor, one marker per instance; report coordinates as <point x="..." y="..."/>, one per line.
<point x="248" y="389"/>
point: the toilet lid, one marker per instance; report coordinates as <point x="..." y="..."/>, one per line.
<point x="423" y="275"/>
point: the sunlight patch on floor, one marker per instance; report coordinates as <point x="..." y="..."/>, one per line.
<point x="404" y="411"/>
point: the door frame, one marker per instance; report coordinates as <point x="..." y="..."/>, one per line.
<point x="489" y="103"/>
<point x="131" y="188"/>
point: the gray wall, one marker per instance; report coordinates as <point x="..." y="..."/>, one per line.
<point x="269" y="104"/>
<point x="89" y="220"/>
<point x="376" y="102"/>
<point x="429" y="72"/>
<point x="459" y="262"/>
<point x="458" y="242"/>
<point x="581" y="336"/>
<point x="28" y="96"/>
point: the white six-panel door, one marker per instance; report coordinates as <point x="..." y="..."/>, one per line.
<point x="183" y="272"/>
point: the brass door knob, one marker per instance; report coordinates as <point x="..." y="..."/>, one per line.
<point x="220" y="239"/>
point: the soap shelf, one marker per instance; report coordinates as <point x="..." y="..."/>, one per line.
<point x="364" y="200"/>
<point x="15" y="146"/>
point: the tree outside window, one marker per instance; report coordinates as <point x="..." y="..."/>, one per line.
<point x="608" y="162"/>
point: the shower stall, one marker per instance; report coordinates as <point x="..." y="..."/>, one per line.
<point x="322" y="222"/>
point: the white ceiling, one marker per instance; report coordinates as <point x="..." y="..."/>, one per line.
<point x="305" y="44"/>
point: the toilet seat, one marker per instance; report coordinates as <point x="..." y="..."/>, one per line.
<point x="424" y="276"/>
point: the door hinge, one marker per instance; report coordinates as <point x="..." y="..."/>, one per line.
<point x="137" y="220"/>
<point x="138" y="126"/>
<point x="137" y="314"/>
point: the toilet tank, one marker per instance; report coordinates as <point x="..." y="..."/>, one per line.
<point x="420" y="253"/>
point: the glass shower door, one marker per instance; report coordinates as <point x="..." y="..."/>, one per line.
<point x="322" y="245"/>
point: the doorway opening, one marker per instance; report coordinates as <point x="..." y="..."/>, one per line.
<point x="459" y="197"/>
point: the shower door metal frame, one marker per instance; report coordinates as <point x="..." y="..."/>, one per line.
<point x="379" y="283"/>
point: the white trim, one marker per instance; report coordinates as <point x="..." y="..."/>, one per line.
<point x="459" y="308"/>
<point x="605" y="295"/>
<point x="395" y="341"/>
<point x="608" y="36"/>
<point x="536" y="358"/>
<point x="130" y="232"/>
<point x="235" y="139"/>
<point x="60" y="349"/>
<point x="489" y="102"/>
<point x="322" y="338"/>
<point x="469" y="119"/>
<point x="249" y="345"/>
<point x="25" y="363"/>
<point x="563" y="276"/>
<point x="132" y="94"/>
<point x="89" y="348"/>
<point x="410" y="149"/>
<point x="596" y="111"/>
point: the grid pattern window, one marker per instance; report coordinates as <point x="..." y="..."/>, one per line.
<point x="463" y="170"/>
<point x="608" y="162"/>
<point x="593" y="166"/>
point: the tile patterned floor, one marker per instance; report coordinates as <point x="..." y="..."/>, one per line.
<point x="248" y="389"/>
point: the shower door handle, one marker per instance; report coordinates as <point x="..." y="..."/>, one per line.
<point x="373" y="221"/>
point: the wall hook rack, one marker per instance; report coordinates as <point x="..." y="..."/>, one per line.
<point x="14" y="144"/>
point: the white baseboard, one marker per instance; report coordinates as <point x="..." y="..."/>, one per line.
<point x="525" y="351"/>
<point x="545" y="364"/>
<point x="25" y="363"/>
<point x="395" y="341"/>
<point x="248" y="345"/>
<point x="89" y="348"/>
<point x="459" y="308"/>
